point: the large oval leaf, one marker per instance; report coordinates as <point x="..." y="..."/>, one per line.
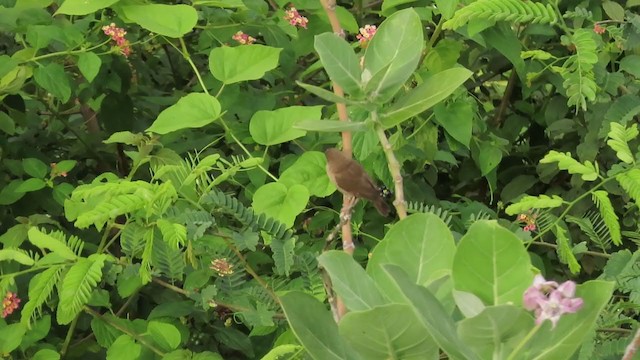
<point x="339" y="61"/>
<point x="277" y="126"/>
<point x="309" y="170"/>
<point x="492" y="263"/>
<point x="83" y="7"/>
<point x="280" y="203"/>
<point x="192" y="111"/>
<point x="168" y="20"/>
<point x="234" y="64"/>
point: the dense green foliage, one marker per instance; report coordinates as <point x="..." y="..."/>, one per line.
<point x="164" y="192"/>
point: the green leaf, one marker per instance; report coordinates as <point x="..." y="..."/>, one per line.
<point x="631" y="64"/>
<point x="35" y="168"/>
<point x="165" y="335"/>
<point x="432" y="91"/>
<point x="488" y="156"/>
<point x="194" y="110"/>
<point x="488" y="332"/>
<point x="66" y="165"/>
<point x="7" y="125"/>
<point x="564" y="251"/>
<point x="89" y="64"/>
<point x="83" y="7"/>
<point x="30" y="185"/>
<point x="614" y="10"/>
<point x="17" y="255"/>
<point x="608" y="213"/>
<point x="309" y="170"/>
<point x="242" y="63"/>
<point x="314" y="327"/>
<point x="6" y="65"/>
<point x="350" y="281"/>
<point x="492" y="263"/>
<point x="457" y="120"/>
<point x="326" y="94"/>
<point x="46" y="241"/>
<point x="173" y="234"/>
<point x="277" y="126"/>
<point x="619" y="138"/>
<point x="388" y="332"/>
<point x="124" y="348"/>
<point x="430" y="312"/>
<point x="54" y="79"/>
<point x="77" y="286"/>
<point x="566" y="162"/>
<point x="40" y="290"/>
<point x="168" y="20"/>
<point x="331" y="125"/>
<point x="572" y="329"/>
<point x="11" y="337"/>
<point x="279" y="202"/>
<point x="339" y="61"/>
<point x="630" y="182"/>
<point x="394" y="51"/>
<point x="46" y="354"/>
<point x="534" y="202"/>
<point x="421" y="244"/>
<point x="9" y="195"/>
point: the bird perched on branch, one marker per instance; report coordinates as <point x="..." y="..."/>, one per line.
<point x="352" y="180"/>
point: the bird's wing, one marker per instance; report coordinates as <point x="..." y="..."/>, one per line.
<point x="353" y="179"/>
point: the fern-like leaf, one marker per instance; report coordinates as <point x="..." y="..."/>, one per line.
<point x="414" y="207"/>
<point x="608" y="213"/>
<point x="534" y="202"/>
<point x="147" y="253"/>
<point x="174" y="234"/>
<point x="40" y="290"/>
<point x="577" y="70"/>
<point x="619" y="138"/>
<point x="595" y="229"/>
<point x="167" y="259"/>
<point x="630" y="182"/>
<point x="564" y="250"/>
<point x="283" y="254"/>
<point x="111" y="208"/>
<point x="507" y="10"/>
<point x="56" y="243"/>
<point x="17" y="255"/>
<point x="312" y="279"/>
<point x="588" y="171"/>
<point x="132" y="239"/>
<point x="77" y="286"/>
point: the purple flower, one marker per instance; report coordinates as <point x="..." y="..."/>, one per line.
<point x="550" y="301"/>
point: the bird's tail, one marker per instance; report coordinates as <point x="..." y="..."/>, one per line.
<point x="382" y="206"/>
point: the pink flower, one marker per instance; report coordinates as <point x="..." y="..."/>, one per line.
<point x="10" y="304"/>
<point x="599" y="29"/>
<point x="243" y="38"/>
<point x="550" y="301"/>
<point x="366" y="34"/>
<point x="294" y="18"/>
<point x="117" y="34"/>
<point x="222" y="267"/>
<point x="530" y="220"/>
<point x="55" y="172"/>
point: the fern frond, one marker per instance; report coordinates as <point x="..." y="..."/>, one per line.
<point x="619" y="138"/>
<point x="167" y="259"/>
<point x="477" y="217"/>
<point x="132" y="239"/>
<point x="534" y="202"/>
<point x="77" y="286"/>
<point x="147" y="253"/>
<point x="111" y="208"/>
<point x="588" y="171"/>
<point x="630" y="182"/>
<point x="545" y="220"/>
<point x="564" y="249"/>
<point x="633" y="236"/>
<point x="18" y="255"/>
<point x="621" y="111"/>
<point x="56" y="242"/>
<point x="577" y="70"/>
<point x="415" y="207"/>
<point x="40" y="290"/>
<point x="311" y="277"/>
<point x="173" y="234"/>
<point x="608" y="213"/>
<point x="499" y="10"/>
<point x="593" y="226"/>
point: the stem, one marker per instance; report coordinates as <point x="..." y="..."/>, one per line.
<point x="632" y="348"/>
<point x="67" y="339"/>
<point x="394" y="168"/>
<point x="524" y="341"/>
<point x="554" y="246"/>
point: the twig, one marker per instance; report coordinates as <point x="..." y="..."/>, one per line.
<point x="554" y="246"/>
<point x="394" y="168"/>
<point x="632" y="348"/>
<point x="504" y="103"/>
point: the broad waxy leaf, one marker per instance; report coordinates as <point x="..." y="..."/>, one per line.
<point x="331" y="126"/>
<point x="242" y="63"/>
<point x="83" y="7"/>
<point x="277" y="126"/>
<point x="192" y="111"/>
<point x="309" y="170"/>
<point x="89" y="64"/>
<point x="492" y="263"/>
<point x="280" y="202"/>
<point x="54" y="79"/>
<point x="432" y="91"/>
<point x="168" y="20"/>
<point x="339" y="61"/>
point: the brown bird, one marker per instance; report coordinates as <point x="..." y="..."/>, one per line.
<point x="351" y="179"/>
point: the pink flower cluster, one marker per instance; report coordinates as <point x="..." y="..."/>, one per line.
<point x="10" y="304"/>
<point x="599" y="29"/>
<point x="55" y="172"/>
<point x="529" y="220"/>
<point x="294" y="18"/>
<point x="117" y="34"/>
<point x="550" y="300"/>
<point x="366" y="34"/>
<point x="222" y="267"/>
<point x="243" y="38"/>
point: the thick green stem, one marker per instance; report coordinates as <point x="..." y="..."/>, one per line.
<point x="394" y="168"/>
